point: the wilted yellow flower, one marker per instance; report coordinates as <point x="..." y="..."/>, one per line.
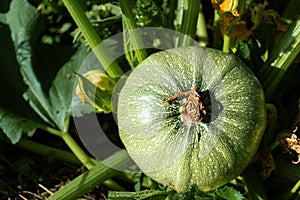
<point x="95" y="88"/>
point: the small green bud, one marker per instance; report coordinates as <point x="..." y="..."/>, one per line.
<point x="95" y="88"/>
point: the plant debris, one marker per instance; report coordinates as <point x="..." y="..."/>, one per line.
<point x="268" y="164"/>
<point x="294" y="144"/>
<point x="289" y="139"/>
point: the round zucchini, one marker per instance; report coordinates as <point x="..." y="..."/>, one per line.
<point x="191" y="115"/>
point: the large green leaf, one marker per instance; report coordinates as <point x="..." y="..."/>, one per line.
<point x="47" y="71"/>
<point x="13" y="125"/>
<point x="22" y="26"/>
<point x="16" y="117"/>
<point x="2" y="18"/>
<point x="51" y="105"/>
<point x="62" y="87"/>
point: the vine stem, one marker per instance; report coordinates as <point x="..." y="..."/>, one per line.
<point x="171" y="16"/>
<point x="226" y="43"/>
<point x="93" y="177"/>
<point x="67" y="124"/>
<point x="135" y="51"/>
<point x="61" y="155"/>
<point x="80" y="154"/>
<point x="201" y="30"/>
<point x="296" y="187"/>
<point x="217" y="38"/>
<point x="48" y="150"/>
<point x="92" y="37"/>
<point x="271" y="127"/>
<point x="188" y="23"/>
<point x="75" y="148"/>
<point x="280" y="59"/>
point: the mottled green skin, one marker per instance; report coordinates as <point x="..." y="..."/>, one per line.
<point x="171" y="152"/>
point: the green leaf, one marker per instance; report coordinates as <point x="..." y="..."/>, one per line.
<point x="224" y="193"/>
<point x="22" y="26"/>
<point x="60" y="94"/>
<point x="280" y="59"/>
<point x="13" y="125"/>
<point x="2" y="18"/>
<point x="193" y="193"/>
<point x="250" y="53"/>
<point x="53" y="104"/>
<point x="145" y="194"/>
<point x="62" y="87"/>
<point x="16" y="117"/>
<point x="229" y="193"/>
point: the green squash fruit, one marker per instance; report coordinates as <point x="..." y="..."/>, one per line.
<point x="191" y="115"/>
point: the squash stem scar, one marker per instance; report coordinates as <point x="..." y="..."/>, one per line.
<point x="192" y="108"/>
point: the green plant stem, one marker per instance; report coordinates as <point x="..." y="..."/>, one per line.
<point x="179" y="15"/>
<point x="172" y="14"/>
<point x="273" y="71"/>
<point x="75" y="148"/>
<point x="226" y="43"/>
<point x="61" y="155"/>
<point x="270" y="132"/>
<point x="273" y="146"/>
<point x="67" y="124"/>
<point x="93" y="177"/>
<point x="190" y="15"/>
<point x="191" y="10"/>
<point x="291" y="10"/>
<point x="201" y="31"/>
<point x="217" y="38"/>
<point x="291" y="194"/>
<point x="296" y="187"/>
<point x="134" y="46"/>
<point x="48" y="151"/>
<point x="287" y="171"/>
<point x="92" y="37"/>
